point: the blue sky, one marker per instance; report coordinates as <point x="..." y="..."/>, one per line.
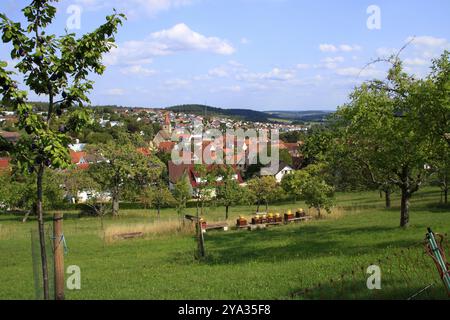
<point x="259" y="54"/>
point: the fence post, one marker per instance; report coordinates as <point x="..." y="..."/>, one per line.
<point x="58" y="245"/>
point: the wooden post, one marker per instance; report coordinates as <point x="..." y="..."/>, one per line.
<point x="58" y="245"/>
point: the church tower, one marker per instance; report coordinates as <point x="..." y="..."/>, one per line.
<point x="167" y="124"/>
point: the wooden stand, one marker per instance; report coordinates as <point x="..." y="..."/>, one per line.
<point x="58" y="245"/>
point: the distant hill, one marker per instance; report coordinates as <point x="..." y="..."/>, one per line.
<point x="244" y="114"/>
<point x="307" y="116"/>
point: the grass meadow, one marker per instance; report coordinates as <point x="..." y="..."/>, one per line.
<point x="328" y="257"/>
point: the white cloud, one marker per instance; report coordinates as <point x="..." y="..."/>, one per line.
<point x="115" y="92"/>
<point x="234" y="89"/>
<point x="179" y="38"/>
<point x="276" y="74"/>
<point x="137" y="70"/>
<point x="369" y="72"/>
<point x="415" y="62"/>
<point x="327" y="48"/>
<point x="244" y="41"/>
<point x="177" y="83"/>
<point x="335" y="48"/>
<point x="386" y="52"/>
<point x="349" y="48"/>
<point x="428" y="41"/>
<point x="302" y="66"/>
<point x="220" y="72"/>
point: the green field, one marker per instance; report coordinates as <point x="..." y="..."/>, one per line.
<point x="265" y="264"/>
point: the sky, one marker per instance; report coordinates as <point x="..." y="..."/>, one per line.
<point x="257" y="54"/>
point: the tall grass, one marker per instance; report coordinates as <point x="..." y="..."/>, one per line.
<point x="115" y="232"/>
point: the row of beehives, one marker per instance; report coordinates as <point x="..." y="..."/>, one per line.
<point x="271" y="218"/>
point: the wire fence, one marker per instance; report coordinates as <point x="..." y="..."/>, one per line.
<point x="37" y="262"/>
<point x="406" y="274"/>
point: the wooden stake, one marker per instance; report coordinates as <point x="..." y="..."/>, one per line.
<point x="58" y="245"/>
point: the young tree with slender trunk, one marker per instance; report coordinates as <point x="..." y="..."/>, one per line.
<point x="56" y="67"/>
<point x="228" y="191"/>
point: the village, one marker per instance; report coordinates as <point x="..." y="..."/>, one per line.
<point x="181" y="126"/>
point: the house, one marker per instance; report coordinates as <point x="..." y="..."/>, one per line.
<point x="176" y="172"/>
<point x="79" y="158"/>
<point x="283" y="169"/>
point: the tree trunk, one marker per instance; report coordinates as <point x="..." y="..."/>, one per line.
<point x="226" y="212"/>
<point x="115" y="204"/>
<point x="257" y="208"/>
<point x="388" y="198"/>
<point x="267" y="206"/>
<point x="159" y="211"/>
<point x="404" y="213"/>
<point x="446" y="196"/>
<point x="40" y="214"/>
<point x="319" y="213"/>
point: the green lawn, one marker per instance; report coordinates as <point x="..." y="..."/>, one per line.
<point x="265" y="264"/>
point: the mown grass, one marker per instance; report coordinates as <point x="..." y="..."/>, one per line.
<point x="265" y="264"/>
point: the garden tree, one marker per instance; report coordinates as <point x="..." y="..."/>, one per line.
<point x="315" y="191"/>
<point x="293" y="183"/>
<point x="348" y="164"/>
<point x="56" y="67"/>
<point x="316" y="145"/>
<point x="264" y="189"/>
<point x="435" y="110"/>
<point x="18" y="192"/>
<point x="286" y="157"/>
<point x="182" y="193"/>
<point x="228" y="191"/>
<point x="120" y="168"/>
<point x="292" y="136"/>
<point x="383" y="121"/>
<point x="440" y="165"/>
<point x="157" y="195"/>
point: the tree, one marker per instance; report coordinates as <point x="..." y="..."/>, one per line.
<point x="157" y="196"/>
<point x="285" y="157"/>
<point x="58" y="68"/>
<point x="18" y="192"/>
<point x="182" y="192"/>
<point x="293" y="183"/>
<point x="120" y="168"/>
<point x="383" y="121"/>
<point x="264" y="189"/>
<point x="228" y="191"/>
<point x="315" y="191"/>
<point x="441" y="168"/>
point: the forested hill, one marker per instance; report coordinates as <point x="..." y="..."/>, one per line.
<point x="245" y="114"/>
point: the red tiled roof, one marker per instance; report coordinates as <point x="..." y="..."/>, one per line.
<point x="4" y="163"/>
<point x="76" y="156"/>
<point x="166" y="146"/>
<point x="144" y="151"/>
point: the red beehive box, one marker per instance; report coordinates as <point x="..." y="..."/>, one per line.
<point x="288" y="217"/>
<point x="241" y="222"/>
